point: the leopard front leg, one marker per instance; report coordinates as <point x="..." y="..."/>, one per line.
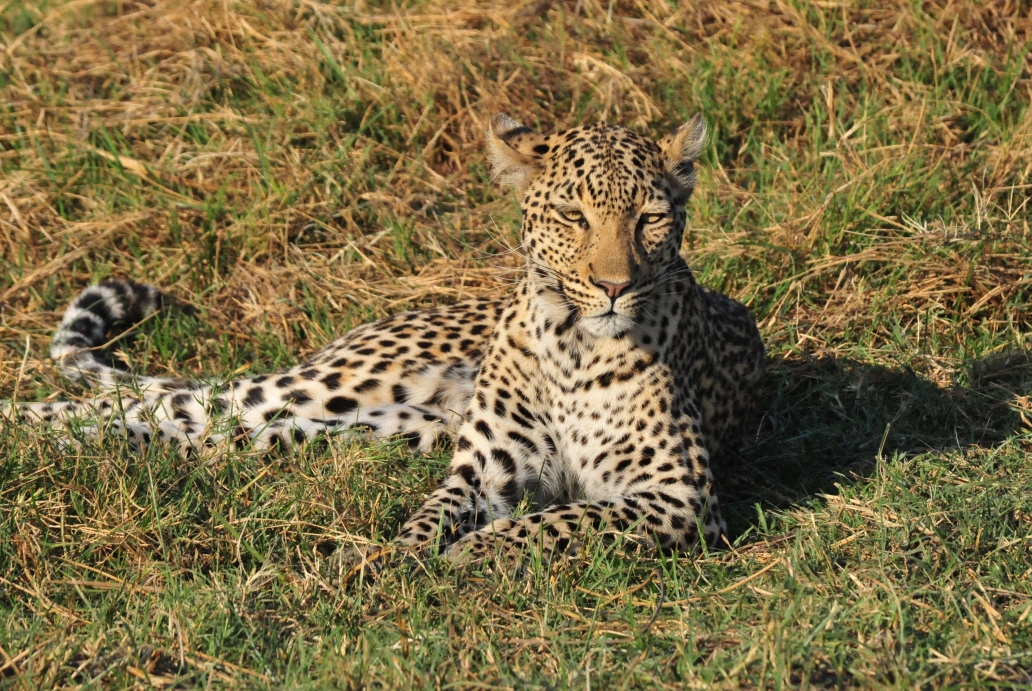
<point x="500" y="450"/>
<point x="662" y="494"/>
<point x="487" y="478"/>
<point x="657" y="516"/>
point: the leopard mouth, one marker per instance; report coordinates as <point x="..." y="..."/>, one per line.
<point x="591" y="313"/>
<point x="617" y="312"/>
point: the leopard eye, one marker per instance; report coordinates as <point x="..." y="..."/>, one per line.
<point x="573" y="216"/>
<point x="652" y="218"/>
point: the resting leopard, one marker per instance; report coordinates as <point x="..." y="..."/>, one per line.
<point x="606" y="387"/>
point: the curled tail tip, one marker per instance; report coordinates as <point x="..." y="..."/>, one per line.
<point x="94" y="314"/>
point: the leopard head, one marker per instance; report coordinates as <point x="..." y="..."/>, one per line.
<point x="603" y="212"/>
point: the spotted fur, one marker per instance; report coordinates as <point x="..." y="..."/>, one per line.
<point x="410" y="375"/>
<point x="606" y="388"/>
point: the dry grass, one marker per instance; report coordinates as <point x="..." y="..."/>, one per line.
<point x="292" y="168"/>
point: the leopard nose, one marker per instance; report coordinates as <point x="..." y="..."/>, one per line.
<point x="613" y="290"/>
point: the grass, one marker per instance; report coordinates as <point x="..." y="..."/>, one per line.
<point x="292" y="168"/>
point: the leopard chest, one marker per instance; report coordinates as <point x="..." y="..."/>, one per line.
<point x="600" y="399"/>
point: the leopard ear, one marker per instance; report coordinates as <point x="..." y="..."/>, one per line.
<point x="682" y="149"/>
<point x="515" y="151"/>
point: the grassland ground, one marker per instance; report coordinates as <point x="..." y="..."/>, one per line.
<point x="291" y="168"/>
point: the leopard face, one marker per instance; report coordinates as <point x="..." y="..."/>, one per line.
<point x="604" y="212"/>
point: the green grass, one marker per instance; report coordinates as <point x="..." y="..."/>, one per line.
<point x="292" y="169"/>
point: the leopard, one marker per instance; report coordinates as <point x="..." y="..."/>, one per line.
<point x="603" y="393"/>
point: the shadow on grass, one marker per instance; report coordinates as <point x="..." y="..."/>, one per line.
<point x="826" y="420"/>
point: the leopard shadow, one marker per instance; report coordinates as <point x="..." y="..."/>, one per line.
<point x="824" y="421"/>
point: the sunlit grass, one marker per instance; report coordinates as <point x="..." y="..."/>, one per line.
<point x="292" y="169"/>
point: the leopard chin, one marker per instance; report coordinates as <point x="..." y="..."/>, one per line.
<point x="608" y="325"/>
